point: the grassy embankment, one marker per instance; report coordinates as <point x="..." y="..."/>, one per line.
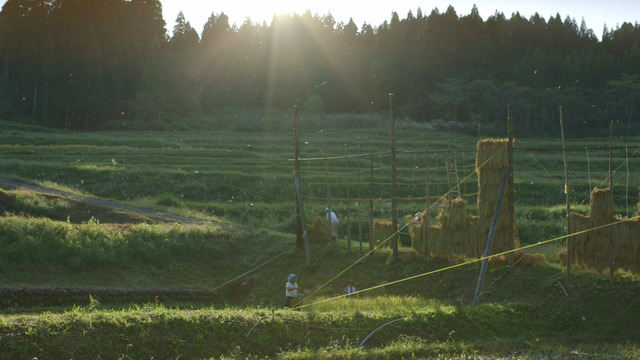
<point x="245" y="178"/>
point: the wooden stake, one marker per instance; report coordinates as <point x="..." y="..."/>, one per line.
<point x="426" y="215"/>
<point x="359" y="200"/>
<point x="296" y="156"/>
<point x="326" y="170"/>
<point x="306" y="236"/>
<point x="346" y="159"/>
<point x="567" y="196"/>
<point x="371" y="203"/>
<point x="510" y="206"/>
<point x="611" y="267"/>
<point x="394" y="200"/>
<point x="449" y="205"/>
<point x="626" y="196"/>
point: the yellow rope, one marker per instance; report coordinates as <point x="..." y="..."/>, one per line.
<point x="469" y="262"/>
<point x="391" y="236"/>
<point x="539" y="163"/>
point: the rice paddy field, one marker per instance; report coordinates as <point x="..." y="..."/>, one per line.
<point x="245" y="176"/>
<point x="248" y="177"/>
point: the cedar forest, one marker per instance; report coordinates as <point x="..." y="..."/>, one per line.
<point x="112" y="64"/>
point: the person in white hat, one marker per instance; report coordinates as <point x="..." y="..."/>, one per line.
<point x="333" y="220"/>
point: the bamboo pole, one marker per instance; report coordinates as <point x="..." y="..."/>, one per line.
<point x="306" y="235"/>
<point x="588" y="168"/>
<point x="296" y="156"/>
<point x="437" y="177"/>
<point x="448" y="170"/>
<point x="413" y="176"/>
<point x="455" y="169"/>
<point x="567" y="195"/>
<point x="371" y="203"/>
<point x="510" y="206"/>
<point x="359" y="200"/>
<point x="449" y="205"/>
<point x="465" y="191"/>
<point x="326" y="170"/>
<point x="346" y="152"/>
<point x="394" y="185"/>
<point x="426" y="215"/>
<point x="626" y="196"/>
<point x="611" y="267"/>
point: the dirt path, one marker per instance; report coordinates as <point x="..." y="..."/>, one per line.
<point x="116" y="205"/>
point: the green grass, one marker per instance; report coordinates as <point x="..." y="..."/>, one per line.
<point x="515" y="319"/>
<point x="524" y="312"/>
<point x="246" y="178"/>
<point x="145" y="331"/>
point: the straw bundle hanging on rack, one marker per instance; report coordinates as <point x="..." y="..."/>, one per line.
<point x="600" y="213"/>
<point x="382" y="231"/>
<point x="417" y="233"/>
<point x="453" y="224"/>
<point x="591" y="248"/>
<point x="626" y="245"/>
<point x="578" y="243"/>
<point x="468" y="234"/>
<point x="491" y="159"/>
<point x="459" y="228"/>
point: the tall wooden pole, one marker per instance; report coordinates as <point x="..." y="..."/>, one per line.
<point x="359" y="201"/>
<point x="346" y="159"/>
<point x="510" y="206"/>
<point x="611" y="267"/>
<point x="371" y="202"/>
<point x="448" y="169"/>
<point x="450" y="204"/>
<point x="394" y="200"/>
<point x="455" y="171"/>
<point x="304" y="227"/>
<point x="567" y="195"/>
<point x="426" y="215"/>
<point x="626" y="196"/>
<point x="296" y="156"/>
<point x="326" y="170"/>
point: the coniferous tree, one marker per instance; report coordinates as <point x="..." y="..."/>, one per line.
<point x="87" y="64"/>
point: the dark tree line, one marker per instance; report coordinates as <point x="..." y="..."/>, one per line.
<point x="88" y="64"/>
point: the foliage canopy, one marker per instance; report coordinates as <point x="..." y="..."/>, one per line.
<point x="111" y="64"/>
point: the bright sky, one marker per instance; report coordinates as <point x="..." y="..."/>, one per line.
<point x="596" y="13"/>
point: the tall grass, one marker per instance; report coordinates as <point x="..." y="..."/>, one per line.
<point x="39" y="205"/>
<point x="155" y="331"/>
<point x="365" y="302"/>
<point x="49" y="242"/>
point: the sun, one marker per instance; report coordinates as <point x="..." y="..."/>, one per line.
<point x="198" y="12"/>
<point x="265" y="10"/>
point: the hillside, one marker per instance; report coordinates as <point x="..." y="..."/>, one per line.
<point x="116" y="246"/>
<point x="531" y="312"/>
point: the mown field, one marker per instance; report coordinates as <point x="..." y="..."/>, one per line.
<point x="245" y="177"/>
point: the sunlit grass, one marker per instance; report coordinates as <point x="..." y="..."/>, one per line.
<point x="365" y="303"/>
<point x="173" y="205"/>
<point x="38" y="205"/>
<point x="61" y="187"/>
<point x="549" y="250"/>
